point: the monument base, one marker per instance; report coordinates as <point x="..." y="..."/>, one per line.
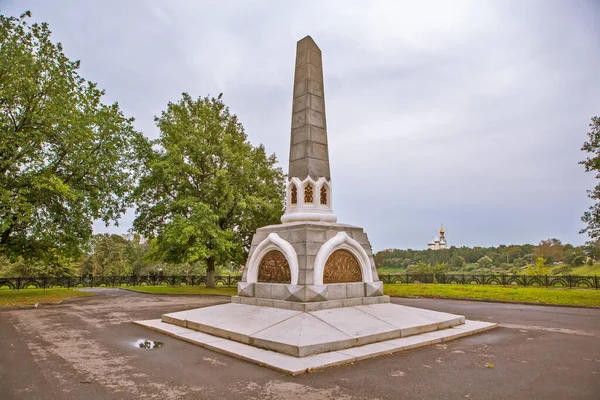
<point x="295" y="341"/>
<point x="312" y="306"/>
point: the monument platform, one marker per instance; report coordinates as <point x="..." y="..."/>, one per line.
<point x="295" y="342"/>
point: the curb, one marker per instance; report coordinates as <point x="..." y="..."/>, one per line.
<point x="30" y="306"/>
<point x="497" y="301"/>
<point x="38" y="305"/>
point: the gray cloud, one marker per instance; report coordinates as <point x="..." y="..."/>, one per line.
<point x="466" y="113"/>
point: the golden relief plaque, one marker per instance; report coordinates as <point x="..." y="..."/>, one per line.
<point x="342" y="267"/>
<point x="274" y="268"/>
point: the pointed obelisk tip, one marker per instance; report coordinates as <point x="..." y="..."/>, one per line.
<point x="308" y="42"/>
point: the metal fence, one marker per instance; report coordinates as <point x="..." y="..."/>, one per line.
<point x="566" y="281"/>
<point x="43" y="282"/>
<point x="46" y="282"/>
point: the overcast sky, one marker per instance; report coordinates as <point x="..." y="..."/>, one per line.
<point x="470" y="114"/>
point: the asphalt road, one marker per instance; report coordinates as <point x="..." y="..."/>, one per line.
<point x="84" y="349"/>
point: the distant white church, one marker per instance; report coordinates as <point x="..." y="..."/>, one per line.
<point x="438" y="242"/>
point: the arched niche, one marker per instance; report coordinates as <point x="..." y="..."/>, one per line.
<point x="341" y="267"/>
<point x="273" y="242"/>
<point x="274" y="268"/>
<point x="342" y="241"/>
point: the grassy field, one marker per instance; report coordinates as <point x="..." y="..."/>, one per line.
<point x="222" y="290"/>
<point x="33" y="296"/>
<point x="574" y="297"/>
<point x="585" y="270"/>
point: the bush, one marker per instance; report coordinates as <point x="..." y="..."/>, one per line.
<point x="519" y="262"/>
<point x="470" y="267"/>
<point x="539" y="268"/>
<point x="578" y="260"/>
<point x="484" y="262"/>
<point x="564" y="269"/>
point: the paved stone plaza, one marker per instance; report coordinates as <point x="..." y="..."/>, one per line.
<point x="84" y="349"/>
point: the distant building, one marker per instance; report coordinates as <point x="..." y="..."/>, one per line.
<point x="438" y="242"/>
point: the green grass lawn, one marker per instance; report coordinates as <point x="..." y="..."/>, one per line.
<point x="575" y="297"/>
<point x="586" y="270"/>
<point x="32" y="296"/>
<point x="222" y="290"/>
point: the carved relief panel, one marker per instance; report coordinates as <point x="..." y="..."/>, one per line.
<point x="294" y="199"/>
<point x="274" y="268"/>
<point x="323" y="195"/>
<point x="342" y="267"/>
<point x="308" y="194"/>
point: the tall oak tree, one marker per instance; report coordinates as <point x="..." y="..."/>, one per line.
<point x="66" y="158"/>
<point x="207" y="188"/>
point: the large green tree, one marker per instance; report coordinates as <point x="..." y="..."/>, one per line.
<point x="592" y="163"/>
<point x="66" y="159"/>
<point x="207" y="188"/>
<point x="551" y="250"/>
<point x="109" y="256"/>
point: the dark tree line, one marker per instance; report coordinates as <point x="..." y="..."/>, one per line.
<point x="511" y="258"/>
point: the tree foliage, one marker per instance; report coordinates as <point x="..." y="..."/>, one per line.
<point x="552" y="250"/>
<point x="110" y="255"/>
<point x="423" y="268"/>
<point x="66" y="159"/>
<point x="457" y="262"/>
<point x="485" y="262"/>
<point x="488" y="260"/>
<point x="207" y="188"/>
<point x="592" y="163"/>
<point x="539" y="268"/>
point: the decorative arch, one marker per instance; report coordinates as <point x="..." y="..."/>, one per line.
<point x="342" y="241"/>
<point x="273" y="242"/>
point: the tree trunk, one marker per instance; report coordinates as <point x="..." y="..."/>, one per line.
<point x="210" y="272"/>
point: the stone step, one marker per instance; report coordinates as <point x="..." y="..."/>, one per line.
<point x="299" y="365"/>
<point x="312" y="306"/>
<point x="302" y="334"/>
